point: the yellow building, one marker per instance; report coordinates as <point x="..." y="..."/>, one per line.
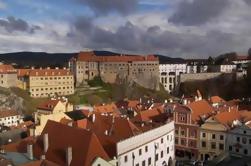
<point x="8" y="76"/>
<point x="53" y="109"/>
<point x="46" y="82"/>
<point x="212" y="139"/>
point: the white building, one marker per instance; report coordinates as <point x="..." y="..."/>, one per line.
<point x="239" y="140"/>
<point x="10" y="118"/>
<point x="154" y="147"/>
<point x="224" y="68"/>
<point x="169" y="74"/>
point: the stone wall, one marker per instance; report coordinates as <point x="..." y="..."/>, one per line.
<point x="198" y="76"/>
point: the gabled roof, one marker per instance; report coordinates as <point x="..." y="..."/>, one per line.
<point x="48" y="105"/>
<point x="200" y="108"/>
<point x="107" y="108"/>
<point x="85" y="145"/>
<point x="4" y="69"/>
<point x="8" y="113"/>
<point x="228" y="117"/>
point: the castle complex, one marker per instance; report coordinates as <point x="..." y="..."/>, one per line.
<point x="143" y="70"/>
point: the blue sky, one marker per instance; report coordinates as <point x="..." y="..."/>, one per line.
<point x="177" y="28"/>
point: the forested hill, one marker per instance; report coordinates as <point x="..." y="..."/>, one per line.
<point x="43" y="59"/>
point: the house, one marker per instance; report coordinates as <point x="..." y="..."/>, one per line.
<point x="10" y="118"/>
<point x="188" y="119"/>
<point x="169" y="74"/>
<point x="213" y="137"/>
<point x="8" y="76"/>
<point x="46" y="82"/>
<point x="53" y="106"/>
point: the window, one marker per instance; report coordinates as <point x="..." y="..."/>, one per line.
<point x="230" y="148"/>
<point x="244" y="140"/>
<point x="245" y="132"/>
<point x="137" y="164"/>
<point x="213" y="145"/>
<point x="146" y="148"/>
<point x="176" y="132"/>
<point x="203" y="144"/>
<point x="125" y="158"/>
<point x="183" y="142"/>
<point x="249" y="141"/>
<point x="221" y="137"/>
<point x="245" y="151"/>
<point x="167" y="137"/>
<point x="221" y="146"/>
<point x="238" y="139"/>
<point x="213" y="136"/>
<point x="203" y="135"/>
<point x="156" y="157"/>
<point x="161" y="140"/>
<point x="149" y="161"/>
<point x="183" y="132"/>
<point x="161" y="154"/>
<point x="236" y="150"/>
<point x="167" y="150"/>
<point x="143" y="163"/>
<point x="140" y="151"/>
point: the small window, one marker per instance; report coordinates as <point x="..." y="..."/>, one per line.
<point x="162" y="140"/>
<point x="143" y="163"/>
<point x="221" y="137"/>
<point x="203" y="144"/>
<point x="245" y="151"/>
<point x="203" y="135"/>
<point x="149" y="161"/>
<point x="140" y="151"/>
<point x="230" y="148"/>
<point x="156" y="157"/>
<point x="213" y="136"/>
<point x="238" y="139"/>
<point x="126" y="159"/>
<point x="162" y="154"/>
<point x="221" y="146"/>
<point x="146" y="148"/>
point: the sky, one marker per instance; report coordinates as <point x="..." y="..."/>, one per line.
<point x="176" y="28"/>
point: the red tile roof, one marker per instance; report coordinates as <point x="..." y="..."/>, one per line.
<point x="107" y="108"/>
<point x="85" y="145"/>
<point x="4" y="69"/>
<point x="228" y="117"/>
<point x="200" y="108"/>
<point x="91" y="57"/>
<point x="217" y="99"/>
<point x="48" y="105"/>
<point x="6" y="113"/>
<point x="43" y="72"/>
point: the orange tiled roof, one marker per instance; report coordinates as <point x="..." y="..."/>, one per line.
<point x="85" y="144"/>
<point x="43" y="72"/>
<point x="216" y="99"/>
<point x="200" y="108"/>
<point x="4" y="69"/>
<point x="91" y="57"/>
<point x="107" y="108"/>
<point x="228" y="117"/>
<point x="7" y="113"/>
<point x="48" y="105"/>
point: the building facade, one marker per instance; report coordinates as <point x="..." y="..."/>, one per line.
<point x="141" y="69"/>
<point x="8" y="76"/>
<point x="47" y="82"/>
<point x="213" y="136"/>
<point x="239" y="140"/>
<point x="154" y="147"/>
<point x="169" y="75"/>
<point x="186" y="133"/>
<point x="10" y="118"/>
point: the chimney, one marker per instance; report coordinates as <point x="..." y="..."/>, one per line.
<point x="93" y="118"/>
<point x="42" y="157"/>
<point x="70" y="124"/>
<point x="46" y="142"/>
<point x="68" y="156"/>
<point x="106" y="132"/>
<point x="184" y="101"/>
<point x="30" y="151"/>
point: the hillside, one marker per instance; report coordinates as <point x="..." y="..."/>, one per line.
<point x="43" y="59"/>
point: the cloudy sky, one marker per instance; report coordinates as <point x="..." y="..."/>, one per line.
<point x="177" y="28"/>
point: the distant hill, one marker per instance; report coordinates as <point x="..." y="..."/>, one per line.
<point x="43" y="59"/>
